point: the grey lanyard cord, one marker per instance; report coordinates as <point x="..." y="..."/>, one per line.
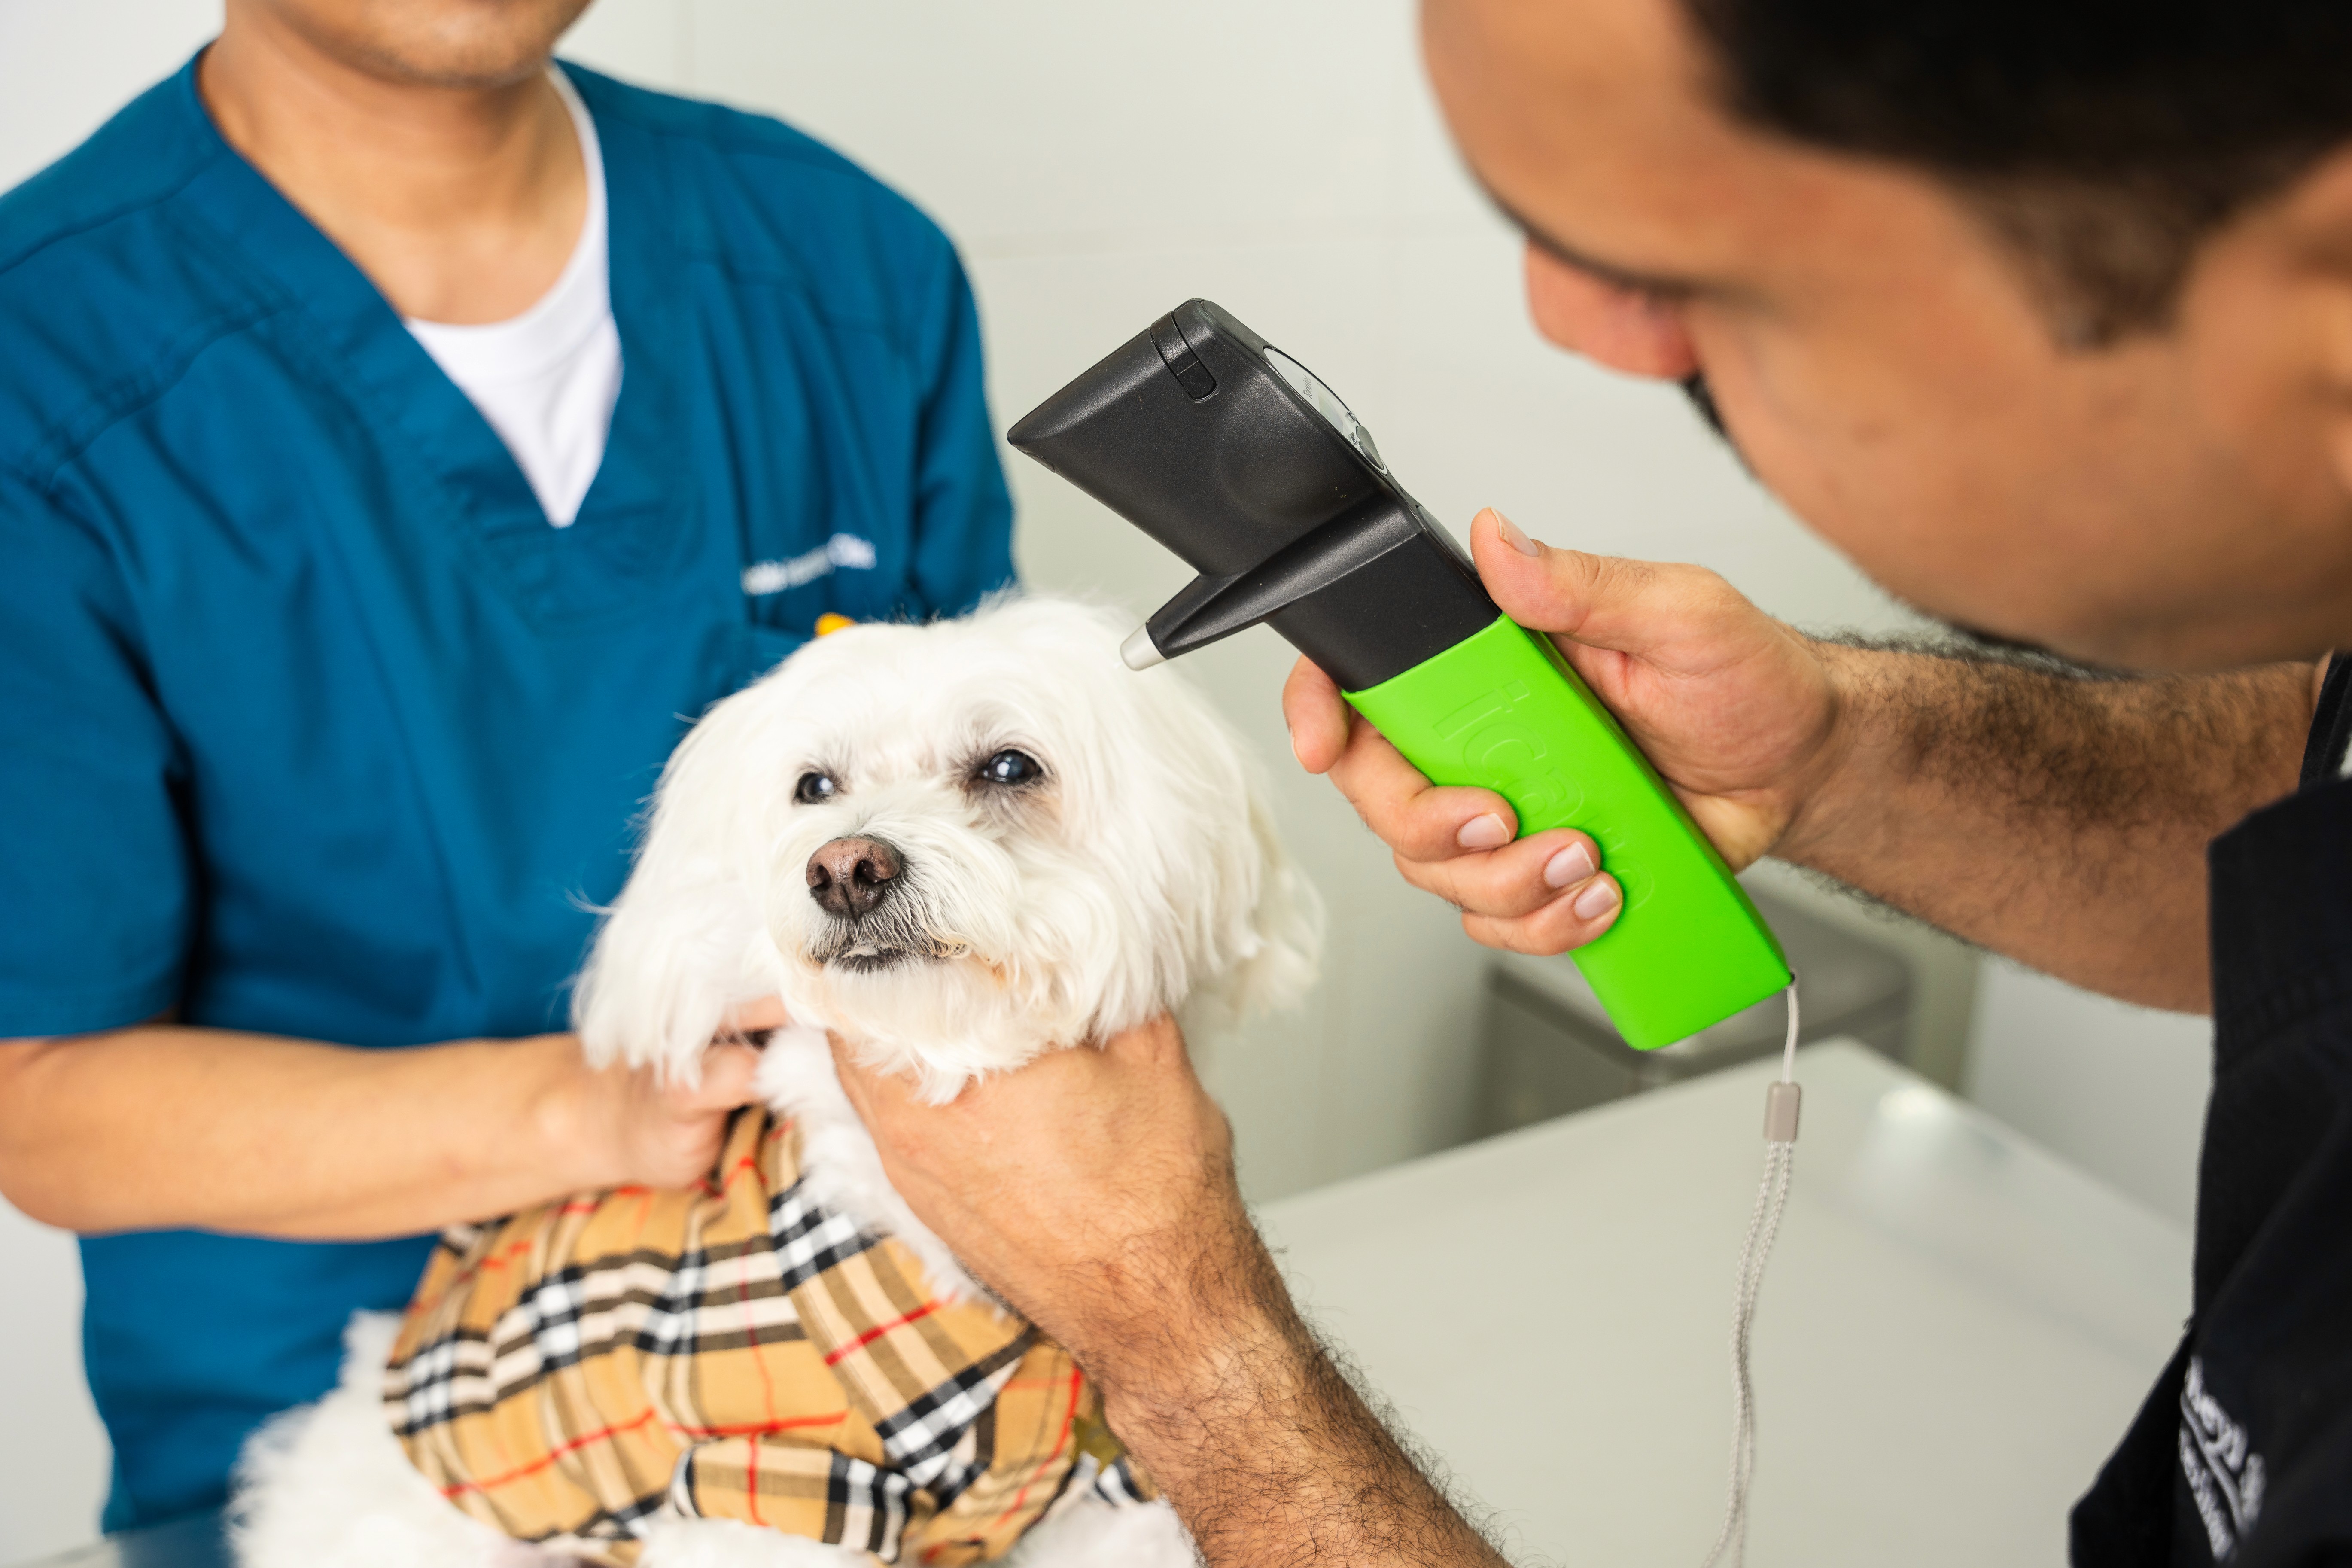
<point x="1780" y="1103"/>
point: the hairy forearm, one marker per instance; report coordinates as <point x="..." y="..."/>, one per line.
<point x="1268" y="1454"/>
<point x="2060" y="821"/>
<point x="164" y="1126"/>
<point x="1094" y="1190"/>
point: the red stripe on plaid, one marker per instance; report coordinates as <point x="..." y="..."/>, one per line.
<point x="499" y="1260"/>
<point x="833" y="1357"/>
<point x="1061" y="1441"/>
<point x="752" y="1482"/>
<point x="548" y="1458"/>
<point x="643" y="1218"/>
<point x="754" y="1429"/>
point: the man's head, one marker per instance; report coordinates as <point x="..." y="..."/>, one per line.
<point x="437" y="43"/>
<point x="2044" y="317"/>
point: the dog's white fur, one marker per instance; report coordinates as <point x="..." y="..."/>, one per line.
<point x="1139" y="874"/>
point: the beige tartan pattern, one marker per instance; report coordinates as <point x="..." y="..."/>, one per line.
<point x="573" y="1373"/>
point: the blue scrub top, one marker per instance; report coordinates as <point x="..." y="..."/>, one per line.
<point x="310" y="725"/>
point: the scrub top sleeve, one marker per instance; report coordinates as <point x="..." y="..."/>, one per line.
<point x="95" y="880"/>
<point x="963" y="516"/>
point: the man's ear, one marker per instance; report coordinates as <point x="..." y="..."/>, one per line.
<point x="2332" y="239"/>
<point x="2281" y="275"/>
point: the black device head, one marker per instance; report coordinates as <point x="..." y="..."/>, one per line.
<point x="1234" y="455"/>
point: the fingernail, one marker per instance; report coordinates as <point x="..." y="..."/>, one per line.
<point x="1487" y="832"/>
<point x="1595" y="900"/>
<point x="1512" y="536"/>
<point x="1294" y="746"/>
<point x="1571" y="865"/>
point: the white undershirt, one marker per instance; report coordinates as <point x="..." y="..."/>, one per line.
<point x="546" y="380"/>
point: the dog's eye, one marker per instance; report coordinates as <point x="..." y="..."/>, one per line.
<point x="815" y="789"/>
<point x="1010" y="768"/>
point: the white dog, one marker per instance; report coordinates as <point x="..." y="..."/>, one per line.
<point x="956" y="845"/>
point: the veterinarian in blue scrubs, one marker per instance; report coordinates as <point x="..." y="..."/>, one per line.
<point x="320" y="731"/>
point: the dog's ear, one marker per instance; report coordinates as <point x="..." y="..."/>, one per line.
<point x="680" y="947"/>
<point x="1250" y="923"/>
<point x="1288" y="921"/>
<point x="659" y="979"/>
<point x="1269" y="913"/>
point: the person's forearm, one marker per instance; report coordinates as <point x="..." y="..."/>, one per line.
<point x="2059" y="821"/>
<point x="164" y="1126"/>
<point x="1093" y="1191"/>
<point x="1270" y="1455"/>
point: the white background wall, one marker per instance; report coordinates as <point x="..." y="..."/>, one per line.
<point x="1097" y="164"/>
<point x="2118" y="1090"/>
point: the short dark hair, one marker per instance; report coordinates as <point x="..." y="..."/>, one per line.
<point x="2102" y="139"/>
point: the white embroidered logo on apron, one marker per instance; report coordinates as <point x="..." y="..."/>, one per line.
<point x="2225" y="1475"/>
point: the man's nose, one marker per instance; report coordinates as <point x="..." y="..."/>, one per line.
<point x="850" y="875"/>
<point x="1623" y="328"/>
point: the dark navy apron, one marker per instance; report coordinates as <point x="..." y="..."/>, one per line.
<point x="2243" y="1452"/>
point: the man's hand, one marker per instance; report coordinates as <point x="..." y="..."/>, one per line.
<point x="1737" y="712"/>
<point x="2058" y="820"/>
<point x="634" y="1129"/>
<point x="1094" y="1190"/>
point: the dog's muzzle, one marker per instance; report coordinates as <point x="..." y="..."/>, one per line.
<point x="876" y="922"/>
<point x="850" y="877"/>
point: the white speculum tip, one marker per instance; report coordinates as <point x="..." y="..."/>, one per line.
<point x="1137" y="652"/>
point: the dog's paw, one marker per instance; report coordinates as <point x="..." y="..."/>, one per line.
<point x="1092" y="1535"/>
<point x="729" y="1544"/>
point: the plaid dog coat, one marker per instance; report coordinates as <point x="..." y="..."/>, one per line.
<point x="735" y="1351"/>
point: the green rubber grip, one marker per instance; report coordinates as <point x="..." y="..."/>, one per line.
<point x="1503" y="709"/>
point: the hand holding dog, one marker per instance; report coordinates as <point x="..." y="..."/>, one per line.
<point x="1114" y="1229"/>
<point x="1737" y="712"/>
<point x="641" y="1129"/>
<point x="1094" y="1190"/>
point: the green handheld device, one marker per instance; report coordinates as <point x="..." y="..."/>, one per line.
<point x="1232" y="454"/>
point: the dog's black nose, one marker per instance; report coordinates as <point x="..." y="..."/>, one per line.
<point x="849" y="876"/>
